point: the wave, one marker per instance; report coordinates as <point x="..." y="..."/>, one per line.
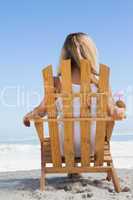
<point x="15" y="157"/>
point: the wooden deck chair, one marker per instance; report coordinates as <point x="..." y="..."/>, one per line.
<point x="102" y="161"/>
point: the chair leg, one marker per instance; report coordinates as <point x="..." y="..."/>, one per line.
<point x="108" y="178"/>
<point x="39" y="129"/>
<point x="42" y="182"/>
<point x="42" y="179"/>
<point x="115" y="180"/>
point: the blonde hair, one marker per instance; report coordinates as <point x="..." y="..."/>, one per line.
<point x="79" y="46"/>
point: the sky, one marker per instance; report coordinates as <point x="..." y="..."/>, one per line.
<point x="31" y="36"/>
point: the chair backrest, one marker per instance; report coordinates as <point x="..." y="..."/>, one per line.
<point x="85" y="119"/>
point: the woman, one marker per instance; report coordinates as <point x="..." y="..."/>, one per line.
<point x="77" y="46"/>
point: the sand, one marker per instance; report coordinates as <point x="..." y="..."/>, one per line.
<point x="24" y="185"/>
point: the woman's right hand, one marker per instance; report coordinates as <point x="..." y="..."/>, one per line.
<point x="37" y="112"/>
<point x="26" y="121"/>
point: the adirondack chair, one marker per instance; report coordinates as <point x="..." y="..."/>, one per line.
<point x="102" y="161"/>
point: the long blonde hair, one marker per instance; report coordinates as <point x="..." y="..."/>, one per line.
<point x="79" y="46"/>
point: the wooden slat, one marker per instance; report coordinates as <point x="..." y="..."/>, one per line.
<point x="109" y="129"/>
<point x="51" y="110"/>
<point x="107" y="159"/>
<point x="84" y="110"/>
<point x="101" y="112"/>
<point x="47" y="144"/>
<point x="48" y="157"/>
<point x="78" y="94"/>
<point x="77" y="169"/>
<point x="67" y="111"/>
<point x="74" y="119"/>
<point x="40" y="130"/>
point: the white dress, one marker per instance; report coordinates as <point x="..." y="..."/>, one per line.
<point x="76" y="113"/>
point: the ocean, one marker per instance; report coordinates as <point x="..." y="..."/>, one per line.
<point x="25" y="154"/>
<point x="35" y="141"/>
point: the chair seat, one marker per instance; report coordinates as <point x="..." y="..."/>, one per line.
<point x="48" y="157"/>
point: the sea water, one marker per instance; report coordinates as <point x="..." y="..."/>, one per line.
<point x="25" y="154"/>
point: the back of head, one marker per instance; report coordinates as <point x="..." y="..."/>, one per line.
<point x="79" y="46"/>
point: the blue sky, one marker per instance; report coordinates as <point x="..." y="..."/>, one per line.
<point x="31" y="36"/>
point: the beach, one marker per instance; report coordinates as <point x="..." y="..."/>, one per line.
<point x="20" y="173"/>
<point x="24" y="185"/>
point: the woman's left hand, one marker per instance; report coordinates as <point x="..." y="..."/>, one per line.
<point x="118" y="113"/>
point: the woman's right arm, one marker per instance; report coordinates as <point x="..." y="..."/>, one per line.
<point x="39" y="111"/>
